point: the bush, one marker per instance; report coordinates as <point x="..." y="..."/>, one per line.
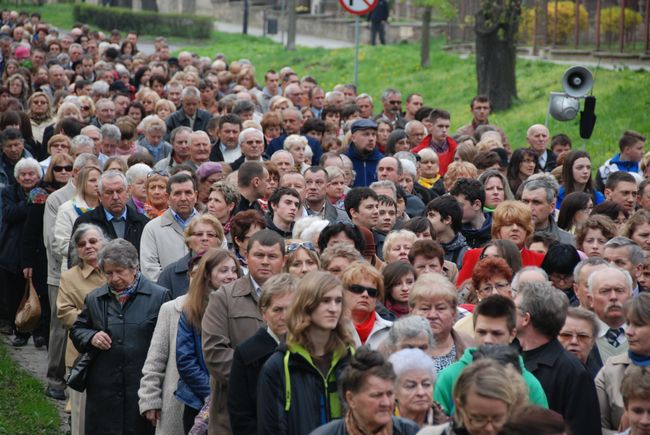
<point x="565" y="23"/>
<point x="144" y="22"/>
<point x="610" y="19"/>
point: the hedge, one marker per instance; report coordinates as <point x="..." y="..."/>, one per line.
<point x="144" y="22"/>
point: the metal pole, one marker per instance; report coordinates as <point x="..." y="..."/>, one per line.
<point x="577" y="23"/>
<point x="597" y="25"/>
<point x="357" y="31"/>
<point x="646" y="33"/>
<point x="245" y="24"/>
<point x="621" y="31"/>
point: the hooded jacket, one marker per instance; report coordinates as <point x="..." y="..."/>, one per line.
<point x="293" y="396"/>
<point x="455" y="250"/>
<point x="478" y="237"/>
<point x="365" y="165"/>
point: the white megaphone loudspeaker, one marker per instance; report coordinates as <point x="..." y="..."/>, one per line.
<point x="577" y="81"/>
<point x="563" y="107"/>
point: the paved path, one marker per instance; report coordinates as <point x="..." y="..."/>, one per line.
<point x="34" y="361"/>
<point x="301" y="39"/>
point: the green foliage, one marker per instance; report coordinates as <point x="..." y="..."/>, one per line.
<point x="610" y="19"/>
<point x="444" y="10"/>
<point x="450" y="82"/>
<point x="24" y="409"/>
<point x="144" y="22"/>
<point x="56" y="14"/>
<point x="565" y="24"/>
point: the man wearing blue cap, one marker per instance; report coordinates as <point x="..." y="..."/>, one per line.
<point x="363" y="151"/>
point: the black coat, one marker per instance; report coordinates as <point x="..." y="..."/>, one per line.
<point x="401" y="426"/>
<point x="248" y="359"/>
<point x="175" y="277"/>
<point x="135" y="223"/>
<point x="309" y="401"/>
<point x="178" y="119"/>
<point x="568" y="385"/>
<point x="14" y="214"/>
<point x="114" y="376"/>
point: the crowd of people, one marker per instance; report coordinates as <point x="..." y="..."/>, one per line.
<point x="280" y="258"/>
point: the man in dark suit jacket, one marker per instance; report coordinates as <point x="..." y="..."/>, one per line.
<point x="113" y="216"/>
<point x="189" y="115"/>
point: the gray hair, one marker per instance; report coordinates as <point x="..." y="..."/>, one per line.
<point x="246" y="131"/>
<point x="181" y="129"/>
<point x="277" y="285"/>
<point x="409" y="126"/>
<point x="609" y="268"/>
<point x="408" y="167"/>
<point x="408" y="327"/>
<point x="92" y="128"/>
<point x="591" y="261"/>
<point x="111" y="132"/>
<point x="100" y="87"/>
<point x="364" y="96"/>
<point x="139" y="170"/>
<point x="634" y="251"/>
<point x="120" y="253"/>
<point x="330" y="95"/>
<point x="189" y="92"/>
<point x="281" y="152"/>
<point x="587" y="316"/>
<point x="111" y="175"/>
<point x="399" y="164"/>
<point x="307" y="227"/>
<point x="406" y="155"/>
<point x="79" y="233"/>
<point x="81" y="141"/>
<point x="546" y="182"/>
<point x="388" y="92"/>
<point x="104" y="102"/>
<point x="517" y="277"/>
<point x="409" y="360"/>
<point x="28" y="163"/>
<point x="333" y="172"/>
<point x="546" y="305"/>
<point x="86" y="159"/>
<point x="386" y="184"/>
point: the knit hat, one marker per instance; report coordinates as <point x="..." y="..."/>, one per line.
<point x="208" y="168"/>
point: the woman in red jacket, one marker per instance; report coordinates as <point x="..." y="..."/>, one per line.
<point x="511" y="220"/>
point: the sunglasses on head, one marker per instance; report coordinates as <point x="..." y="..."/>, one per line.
<point x="158" y="172"/>
<point x="359" y="289"/>
<point x="67" y="168"/>
<point x="295" y="245"/>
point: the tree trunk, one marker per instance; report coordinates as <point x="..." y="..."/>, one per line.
<point x="496" y="55"/>
<point x="426" y="37"/>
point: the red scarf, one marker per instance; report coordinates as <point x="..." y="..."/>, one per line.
<point x="364" y="328"/>
<point x="398" y="309"/>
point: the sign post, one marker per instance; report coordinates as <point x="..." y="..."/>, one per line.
<point x="357" y="8"/>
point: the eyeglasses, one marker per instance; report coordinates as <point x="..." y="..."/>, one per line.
<point x="67" y="168"/>
<point x="162" y="173"/>
<point x="482" y="421"/>
<point x="295" y="245"/>
<point x="489" y="288"/>
<point x="359" y="289"/>
<point x="580" y="336"/>
<point x="39" y="102"/>
<point x="559" y="277"/>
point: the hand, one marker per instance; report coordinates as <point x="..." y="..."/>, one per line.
<point x="27" y="272"/>
<point x="153" y="415"/>
<point x="101" y="340"/>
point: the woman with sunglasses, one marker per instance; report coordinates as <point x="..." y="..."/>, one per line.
<point x="301" y="258"/>
<point x="58" y="144"/>
<point x="364" y="286"/>
<point x="297" y="387"/>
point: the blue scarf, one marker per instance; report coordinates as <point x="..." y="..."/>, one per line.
<point x="639" y="360"/>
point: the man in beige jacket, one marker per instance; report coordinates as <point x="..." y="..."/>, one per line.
<point x="232" y="316"/>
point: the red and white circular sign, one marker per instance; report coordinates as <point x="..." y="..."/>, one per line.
<point x="358" y="7"/>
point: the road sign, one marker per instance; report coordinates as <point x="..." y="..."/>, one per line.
<point x="358" y="7"/>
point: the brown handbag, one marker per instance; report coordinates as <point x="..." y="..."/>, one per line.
<point x="29" y="311"/>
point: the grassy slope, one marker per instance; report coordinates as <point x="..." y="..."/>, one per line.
<point x="623" y="96"/>
<point x="24" y="409"/>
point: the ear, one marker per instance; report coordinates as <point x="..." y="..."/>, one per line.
<point x="477" y="205"/>
<point x="513" y="335"/>
<point x="608" y="193"/>
<point x="447" y="220"/>
<point x="349" y="400"/>
<point x="590" y="300"/>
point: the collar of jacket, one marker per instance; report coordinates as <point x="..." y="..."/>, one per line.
<point x="140" y="288"/>
<point x="242" y="286"/>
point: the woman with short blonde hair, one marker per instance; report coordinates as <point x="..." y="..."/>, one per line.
<point x="397" y="246"/>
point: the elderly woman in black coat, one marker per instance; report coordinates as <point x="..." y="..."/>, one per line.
<point x="118" y="319"/>
<point x="15" y="202"/>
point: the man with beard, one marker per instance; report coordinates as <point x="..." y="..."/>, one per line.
<point x="610" y="287"/>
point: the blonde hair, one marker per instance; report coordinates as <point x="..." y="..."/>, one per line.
<point x="361" y="269"/>
<point x="204" y="219"/>
<point x="429" y="154"/>
<point x="457" y="170"/>
<point x="310" y="292"/>
<point x="339" y="250"/>
<point x="276" y="286"/>
<point x="58" y="138"/>
<point x="509" y="212"/>
<point x="164" y="102"/>
<point x="433" y="285"/>
<point x="293" y="140"/>
<point x="392" y="238"/>
<point x="56" y="160"/>
<point x="485" y="378"/>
